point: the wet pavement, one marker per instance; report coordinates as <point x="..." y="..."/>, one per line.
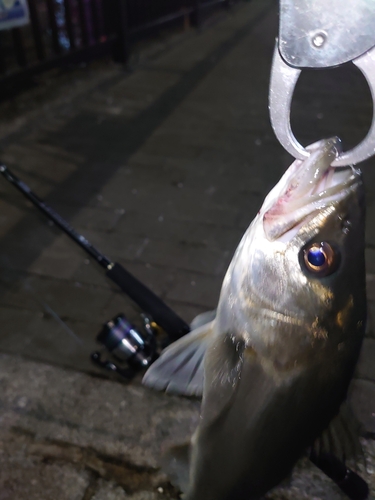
<point x="162" y="169"/>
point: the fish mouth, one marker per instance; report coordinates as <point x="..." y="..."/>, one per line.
<point x="307" y="186"/>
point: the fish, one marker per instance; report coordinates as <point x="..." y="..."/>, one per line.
<point x="274" y="363"/>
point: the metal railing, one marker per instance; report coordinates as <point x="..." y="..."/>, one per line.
<point x="69" y="31"/>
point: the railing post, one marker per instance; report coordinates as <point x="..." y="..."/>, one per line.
<point x="95" y="20"/>
<point x="83" y="24"/>
<point x="116" y="21"/>
<point x="69" y="24"/>
<point x="37" y="31"/>
<point x="51" y="10"/>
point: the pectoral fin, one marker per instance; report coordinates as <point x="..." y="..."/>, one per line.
<point x="341" y="438"/>
<point x="223" y="367"/>
<point x="179" y="370"/>
<point x="203" y="319"/>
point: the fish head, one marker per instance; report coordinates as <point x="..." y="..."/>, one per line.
<point x="298" y="275"/>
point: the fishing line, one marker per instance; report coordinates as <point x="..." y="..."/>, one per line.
<point x="27" y="287"/>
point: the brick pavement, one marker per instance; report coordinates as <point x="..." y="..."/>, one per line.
<point x="136" y="166"/>
<point x="162" y="169"/>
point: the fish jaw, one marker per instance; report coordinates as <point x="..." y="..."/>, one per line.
<point x="307" y="187"/>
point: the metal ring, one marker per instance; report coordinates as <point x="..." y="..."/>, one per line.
<point x="282" y="84"/>
<point x="366" y="149"/>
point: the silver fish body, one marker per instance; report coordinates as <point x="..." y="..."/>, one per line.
<point x="281" y="352"/>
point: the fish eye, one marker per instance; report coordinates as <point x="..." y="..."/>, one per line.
<point x="320" y="258"/>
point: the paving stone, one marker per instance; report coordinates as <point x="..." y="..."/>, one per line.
<point x="366" y="365"/>
<point x="34" y="292"/>
<point x="145" y="495"/>
<point x="158" y="279"/>
<point x="41" y="482"/>
<point x="117" y="420"/>
<point x="97" y="219"/>
<point x="112" y="243"/>
<point x="39" y="162"/>
<point x="370" y="330"/>
<point x="370" y="226"/>
<point x="110" y="492"/>
<point x="71" y="299"/>
<point x="27" y="477"/>
<point x="41" y="105"/>
<point x="137" y="92"/>
<point x="370" y="265"/>
<point x="9" y="217"/>
<point x="59" y="260"/>
<point x="186" y="311"/>
<point x="90" y="272"/>
<point x="362" y="398"/>
<point x="187" y="257"/>
<point x="196" y="289"/>
<point x="42" y="336"/>
<point x="202" y="46"/>
<point x="370" y="283"/>
<point x="62" y="419"/>
<point x="166" y="227"/>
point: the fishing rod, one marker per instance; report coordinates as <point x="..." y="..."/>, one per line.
<point x="118" y="335"/>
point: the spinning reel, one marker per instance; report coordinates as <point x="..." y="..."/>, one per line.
<point x="126" y="350"/>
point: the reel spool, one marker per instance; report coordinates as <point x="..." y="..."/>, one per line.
<point x="125" y="349"/>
